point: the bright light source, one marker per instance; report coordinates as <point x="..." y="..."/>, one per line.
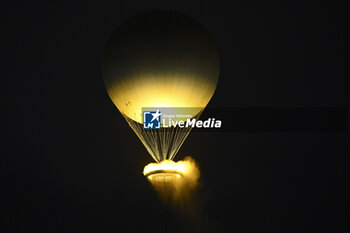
<point x="173" y="181"/>
<point x="165" y="170"/>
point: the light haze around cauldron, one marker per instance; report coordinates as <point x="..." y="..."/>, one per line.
<point x="160" y="59"/>
<point x="174" y="181"/>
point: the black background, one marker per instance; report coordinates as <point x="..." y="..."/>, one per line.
<point x="71" y="163"/>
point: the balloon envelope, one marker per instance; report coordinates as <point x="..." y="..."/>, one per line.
<point x="160" y="59"/>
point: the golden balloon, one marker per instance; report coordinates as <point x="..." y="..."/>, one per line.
<point x="160" y="59"/>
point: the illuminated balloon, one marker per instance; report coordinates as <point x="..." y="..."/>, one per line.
<point x="160" y="59"/>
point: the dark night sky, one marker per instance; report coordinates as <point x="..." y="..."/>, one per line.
<point x="72" y="164"/>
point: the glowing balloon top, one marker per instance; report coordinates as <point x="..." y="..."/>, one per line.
<point x="160" y="59"/>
